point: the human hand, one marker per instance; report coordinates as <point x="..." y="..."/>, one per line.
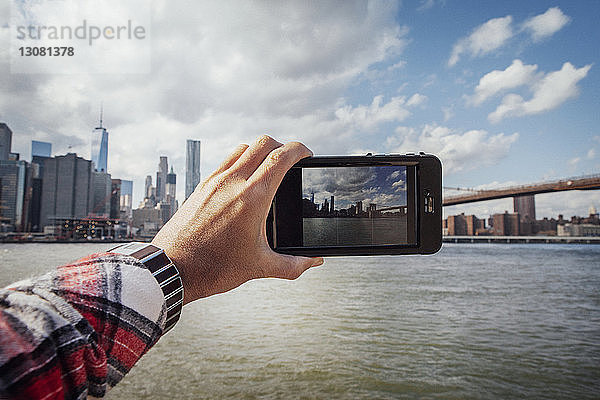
<point x="217" y="239"/>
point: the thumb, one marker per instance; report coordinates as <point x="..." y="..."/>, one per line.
<point x="291" y="267"/>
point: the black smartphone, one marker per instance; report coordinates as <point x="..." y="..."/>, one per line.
<point x="359" y="205"/>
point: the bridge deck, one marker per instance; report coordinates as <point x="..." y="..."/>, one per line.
<point x="589" y="182"/>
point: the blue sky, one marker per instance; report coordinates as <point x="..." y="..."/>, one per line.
<point x="505" y="92"/>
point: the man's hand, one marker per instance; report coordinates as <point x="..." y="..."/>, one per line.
<point x="217" y="239"/>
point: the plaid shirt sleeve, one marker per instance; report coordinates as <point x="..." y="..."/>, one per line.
<point x="75" y="332"/>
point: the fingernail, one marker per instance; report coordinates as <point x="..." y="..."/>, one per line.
<point x="317" y="262"/>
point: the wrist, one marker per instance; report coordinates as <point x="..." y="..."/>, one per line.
<point x="164" y="271"/>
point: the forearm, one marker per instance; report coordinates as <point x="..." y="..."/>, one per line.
<point x="79" y="329"/>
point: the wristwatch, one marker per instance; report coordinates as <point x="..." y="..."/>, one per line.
<point x="165" y="273"/>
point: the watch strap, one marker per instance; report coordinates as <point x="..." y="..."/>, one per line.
<point x="163" y="270"/>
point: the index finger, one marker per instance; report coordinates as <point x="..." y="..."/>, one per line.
<point x="271" y="171"/>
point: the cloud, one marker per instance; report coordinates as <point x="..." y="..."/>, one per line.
<point x="399" y="185"/>
<point x="548" y="93"/>
<point x="458" y="151"/>
<point x="366" y="117"/>
<point x="484" y="39"/>
<point x="416" y="100"/>
<point x="574" y="161"/>
<point x="591" y="154"/>
<point x="222" y="73"/>
<point x="546" y="24"/>
<point x="496" y="32"/>
<point x="425" y="5"/>
<point x="515" y="75"/>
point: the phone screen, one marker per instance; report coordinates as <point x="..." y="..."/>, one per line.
<point x="346" y="206"/>
<point x="354" y="206"/>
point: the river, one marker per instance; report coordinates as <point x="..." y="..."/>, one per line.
<point x="475" y="321"/>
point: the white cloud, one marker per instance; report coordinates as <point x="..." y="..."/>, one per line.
<point x="484" y="39"/>
<point x="496" y="32"/>
<point x="398" y="65"/>
<point x="365" y="117"/>
<point x="457" y="151"/>
<point x="574" y="161"/>
<point x="591" y="154"/>
<point x="548" y="93"/>
<point x="515" y="75"/>
<point x="546" y="24"/>
<point x="416" y="99"/>
<point x="448" y="113"/>
<point x="223" y="73"/>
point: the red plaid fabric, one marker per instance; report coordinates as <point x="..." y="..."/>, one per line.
<point x="79" y="329"/>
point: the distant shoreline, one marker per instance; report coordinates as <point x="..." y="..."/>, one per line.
<point x="523" y="239"/>
<point x="77" y="241"/>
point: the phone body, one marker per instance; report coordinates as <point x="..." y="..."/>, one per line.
<point x="359" y="205"/>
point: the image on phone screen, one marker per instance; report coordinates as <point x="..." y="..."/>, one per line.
<point x="354" y="206"/>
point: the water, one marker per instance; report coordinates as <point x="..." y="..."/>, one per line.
<point x="481" y="321"/>
<point x="354" y="231"/>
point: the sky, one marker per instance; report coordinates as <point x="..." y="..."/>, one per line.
<point x="504" y="92"/>
<point x="384" y="186"/>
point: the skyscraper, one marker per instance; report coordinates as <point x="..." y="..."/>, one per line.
<point x="148" y="186"/>
<point x="101" y="194"/>
<point x="192" y="166"/>
<point x="171" y="186"/>
<point x="12" y="191"/>
<point x="67" y="189"/>
<point x="100" y="147"/>
<point x="5" y="141"/>
<point x="161" y="178"/>
<point x="127" y="197"/>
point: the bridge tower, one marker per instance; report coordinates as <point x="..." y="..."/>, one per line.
<point x="525" y="207"/>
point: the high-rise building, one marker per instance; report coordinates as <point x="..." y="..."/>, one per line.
<point x="332" y="206"/>
<point x="100" y="147"/>
<point x="525" y="207"/>
<point x="161" y="179"/>
<point x="115" y="199"/>
<point x="35" y="183"/>
<point x="5" y="141"/>
<point x="12" y="191"/>
<point x="67" y="188"/>
<point x="171" y="196"/>
<point x="171" y="186"/>
<point x="40" y="149"/>
<point x="148" y="186"/>
<point x="192" y="166"/>
<point x="127" y="198"/>
<point x="101" y="189"/>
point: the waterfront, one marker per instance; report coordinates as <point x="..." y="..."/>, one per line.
<point x="473" y="321"/>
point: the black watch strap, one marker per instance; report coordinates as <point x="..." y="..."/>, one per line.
<point x="165" y="273"/>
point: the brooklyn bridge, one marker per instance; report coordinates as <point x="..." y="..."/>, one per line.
<point x="586" y="182"/>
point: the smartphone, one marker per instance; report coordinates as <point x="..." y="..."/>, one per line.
<point x="359" y="205"/>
